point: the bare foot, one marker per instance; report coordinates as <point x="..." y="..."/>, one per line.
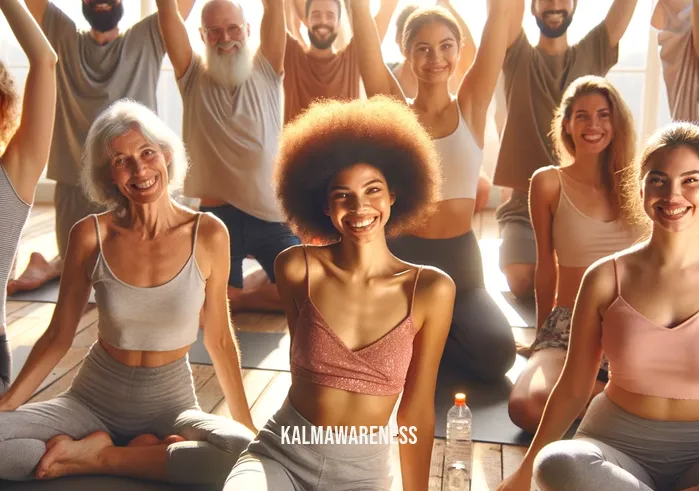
<point x="38" y="272"/>
<point x="149" y="440"/>
<point x="66" y="456"/>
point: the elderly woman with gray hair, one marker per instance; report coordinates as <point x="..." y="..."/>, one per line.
<point x="158" y="270"/>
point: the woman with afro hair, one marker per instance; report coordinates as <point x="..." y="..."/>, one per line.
<point x="480" y="342"/>
<point x="365" y="325"/>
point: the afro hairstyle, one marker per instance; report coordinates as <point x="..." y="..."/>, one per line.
<point x="331" y="136"/>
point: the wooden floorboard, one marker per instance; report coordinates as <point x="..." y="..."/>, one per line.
<point x="265" y="390"/>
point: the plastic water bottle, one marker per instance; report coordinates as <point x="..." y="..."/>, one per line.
<point x="459" y="448"/>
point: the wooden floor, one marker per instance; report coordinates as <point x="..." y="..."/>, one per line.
<point x="265" y="389"/>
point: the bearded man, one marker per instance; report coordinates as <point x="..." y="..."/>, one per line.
<point x="96" y="68"/>
<point x="535" y="79"/>
<point x="232" y="120"/>
<point x="320" y="71"/>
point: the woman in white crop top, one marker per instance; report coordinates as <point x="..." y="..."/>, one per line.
<point x="480" y="341"/>
<point x="159" y="272"/>
<point x="24" y="152"/>
<point x="578" y="218"/>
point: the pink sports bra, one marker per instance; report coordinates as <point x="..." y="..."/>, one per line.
<point x="649" y="359"/>
<point x="320" y="356"/>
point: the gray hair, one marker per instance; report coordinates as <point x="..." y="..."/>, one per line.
<point x="113" y="122"/>
<point x="236" y="3"/>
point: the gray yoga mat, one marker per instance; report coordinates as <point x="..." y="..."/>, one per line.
<point x="488" y="403"/>
<point x="260" y="350"/>
<point x="96" y="483"/>
<point x="48" y="293"/>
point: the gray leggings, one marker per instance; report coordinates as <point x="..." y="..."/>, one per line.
<point x="614" y="449"/>
<point x="126" y="402"/>
<point x="480" y="340"/>
<point x="5" y="363"/>
<point x="274" y="465"/>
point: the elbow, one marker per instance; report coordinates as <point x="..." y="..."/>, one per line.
<point x="47" y="59"/>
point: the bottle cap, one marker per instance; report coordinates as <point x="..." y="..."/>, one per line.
<point x="460" y="399"/>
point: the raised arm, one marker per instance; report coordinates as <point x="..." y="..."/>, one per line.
<point x="73" y="294"/>
<point x="695" y="26"/>
<point x="272" y="37"/>
<point x="514" y="29"/>
<point x="573" y="389"/>
<point x="383" y="17"/>
<point x="28" y="150"/>
<point x="468" y="48"/>
<point x="542" y="194"/>
<point x="175" y="36"/>
<point x="376" y="76"/>
<point x="294" y="23"/>
<point x="435" y="297"/>
<point x="37" y="9"/>
<point x="219" y="339"/>
<point x="478" y="85"/>
<point x="618" y="19"/>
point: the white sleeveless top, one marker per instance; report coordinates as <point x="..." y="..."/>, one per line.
<point x="461" y="159"/>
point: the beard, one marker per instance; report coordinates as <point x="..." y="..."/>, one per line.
<point x="321" y="43"/>
<point x="103" y="20"/>
<point x="557" y="32"/>
<point x="229" y="69"/>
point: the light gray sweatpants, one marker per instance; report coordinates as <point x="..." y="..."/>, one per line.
<point x="273" y="464"/>
<point x="619" y="451"/>
<point x="126" y="402"/>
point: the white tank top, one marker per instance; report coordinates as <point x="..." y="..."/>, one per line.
<point x="461" y="159"/>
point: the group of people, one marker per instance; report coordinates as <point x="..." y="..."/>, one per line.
<point x="372" y="198"/>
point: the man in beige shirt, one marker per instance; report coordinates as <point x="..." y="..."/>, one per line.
<point x="535" y="79"/>
<point x="677" y="22"/>
<point x="231" y="124"/>
<point x="319" y="71"/>
<point x="96" y="68"/>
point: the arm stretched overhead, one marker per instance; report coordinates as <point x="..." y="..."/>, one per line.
<point x="618" y="19"/>
<point x="28" y="150"/>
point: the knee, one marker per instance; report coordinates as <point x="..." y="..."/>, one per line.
<point x="561" y="466"/>
<point x="233" y="441"/>
<point x="526" y="410"/>
<point x="520" y="279"/>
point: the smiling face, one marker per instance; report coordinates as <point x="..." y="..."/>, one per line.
<point x="434" y="53"/>
<point x="590" y="124"/>
<point x="323" y="21"/>
<point x="553" y="16"/>
<point x="359" y="203"/>
<point x="670" y="189"/>
<point x="138" y="168"/>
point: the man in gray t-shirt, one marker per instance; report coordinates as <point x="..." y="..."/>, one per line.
<point x="232" y="121"/>
<point x="95" y="68"/>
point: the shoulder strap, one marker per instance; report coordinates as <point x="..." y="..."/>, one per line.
<point x="308" y="273"/>
<point x="99" y="234"/>
<point x="616" y="275"/>
<point x="196" y="232"/>
<point x="412" y="299"/>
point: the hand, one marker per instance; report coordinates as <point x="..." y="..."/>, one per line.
<point x="524" y="350"/>
<point x="521" y="480"/>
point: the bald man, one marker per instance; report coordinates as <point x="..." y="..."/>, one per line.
<point x="678" y="24"/>
<point x="96" y="68"/>
<point x="232" y="99"/>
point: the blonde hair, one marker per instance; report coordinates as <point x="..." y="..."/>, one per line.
<point x="619" y="154"/>
<point x="9" y="106"/>
<point x="119" y="118"/>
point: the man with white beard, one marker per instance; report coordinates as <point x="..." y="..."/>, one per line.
<point x="231" y="126"/>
